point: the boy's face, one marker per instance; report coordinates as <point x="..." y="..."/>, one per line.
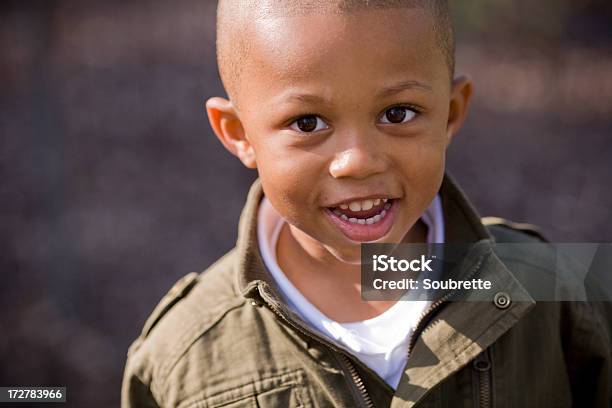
<point x="340" y="110"/>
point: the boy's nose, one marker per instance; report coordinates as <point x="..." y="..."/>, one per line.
<point x="358" y="162"/>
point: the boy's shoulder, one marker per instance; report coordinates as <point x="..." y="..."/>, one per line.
<point x="194" y="305"/>
<point x="195" y="295"/>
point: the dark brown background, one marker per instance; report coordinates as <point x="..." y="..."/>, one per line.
<point x="112" y="184"/>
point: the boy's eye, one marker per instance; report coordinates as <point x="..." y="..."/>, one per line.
<point x="398" y="114"/>
<point x="307" y="124"/>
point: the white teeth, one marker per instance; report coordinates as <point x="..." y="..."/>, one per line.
<point x="362" y="221"/>
<point x="366" y="205"/>
<point x="355" y="206"/>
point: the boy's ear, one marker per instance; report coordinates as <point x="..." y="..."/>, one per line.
<point x="227" y="126"/>
<point x="461" y="95"/>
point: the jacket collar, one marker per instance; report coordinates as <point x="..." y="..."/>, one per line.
<point x="453" y="336"/>
<point x="250" y="270"/>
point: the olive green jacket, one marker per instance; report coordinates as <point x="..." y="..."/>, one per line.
<point x="224" y="338"/>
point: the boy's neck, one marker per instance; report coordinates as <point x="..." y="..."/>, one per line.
<point x="332" y="286"/>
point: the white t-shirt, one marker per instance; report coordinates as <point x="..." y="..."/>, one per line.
<point x="380" y="342"/>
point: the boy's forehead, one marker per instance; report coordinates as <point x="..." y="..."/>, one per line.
<point x="372" y="47"/>
<point x="268" y="37"/>
<point x="308" y="40"/>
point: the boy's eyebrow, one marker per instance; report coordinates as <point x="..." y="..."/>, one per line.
<point x="404" y="85"/>
<point x="387" y="91"/>
<point x="302" y="97"/>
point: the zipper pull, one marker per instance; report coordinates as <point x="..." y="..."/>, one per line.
<point x="482" y="362"/>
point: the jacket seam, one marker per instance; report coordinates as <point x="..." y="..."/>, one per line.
<point x="254" y="383"/>
<point x="189" y="338"/>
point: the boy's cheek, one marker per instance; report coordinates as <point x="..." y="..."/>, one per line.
<point x="290" y="168"/>
<point x="423" y="165"/>
<point x="289" y="194"/>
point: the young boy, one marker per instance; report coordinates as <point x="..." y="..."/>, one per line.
<point x="346" y="108"/>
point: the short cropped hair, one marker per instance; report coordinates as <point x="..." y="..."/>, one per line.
<point x="232" y="15"/>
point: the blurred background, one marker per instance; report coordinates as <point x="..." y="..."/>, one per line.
<point x="112" y="185"/>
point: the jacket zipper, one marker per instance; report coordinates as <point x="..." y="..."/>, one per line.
<point x="482" y="366"/>
<point x="355" y="377"/>
<point x="435" y="305"/>
<point x="430" y="309"/>
<point x="358" y="382"/>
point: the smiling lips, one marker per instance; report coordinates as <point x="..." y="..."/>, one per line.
<point x="364" y="220"/>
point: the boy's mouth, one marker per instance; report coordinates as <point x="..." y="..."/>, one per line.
<point x="364" y="220"/>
